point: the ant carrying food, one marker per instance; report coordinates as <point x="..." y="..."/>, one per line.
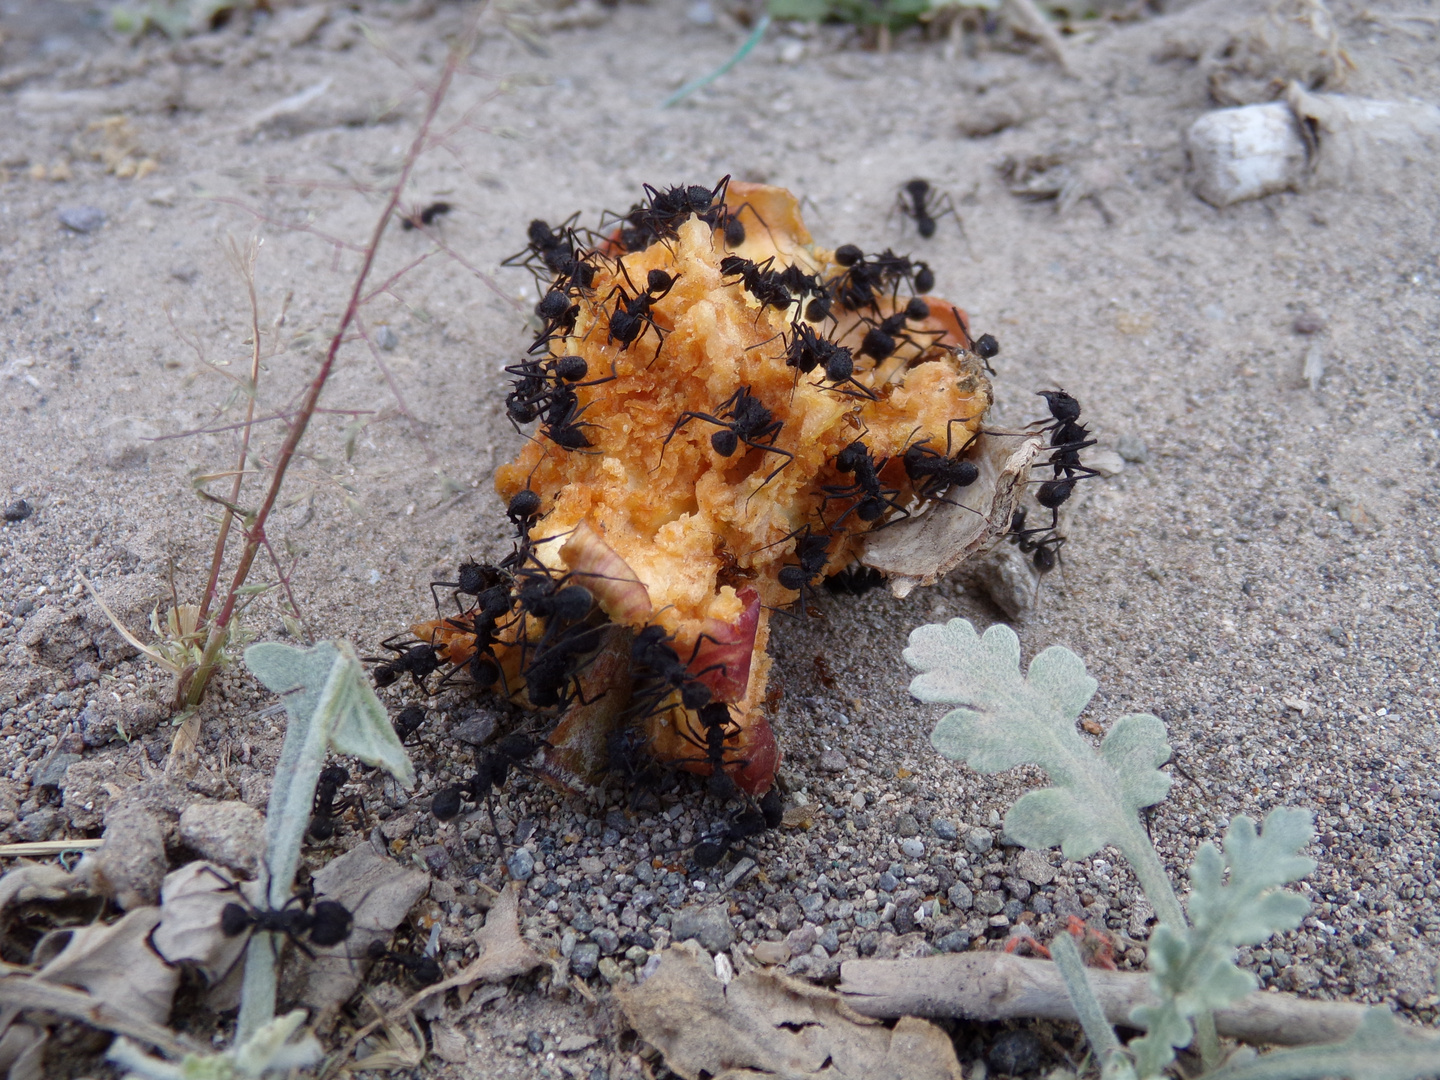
<point x="422" y="216"/>
<point x="920" y="201"/>
<point x="742" y="418"/>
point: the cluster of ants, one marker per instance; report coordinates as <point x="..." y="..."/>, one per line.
<point x="500" y="603"/>
<point x="554" y="623"/>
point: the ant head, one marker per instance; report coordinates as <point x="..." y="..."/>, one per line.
<point x="852" y="456"/>
<point x="446" y="804"/>
<point x="848" y="255"/>
<point x="918" y="188"/>
<point x="772" y="805"/>
<point x="658" y="281"/>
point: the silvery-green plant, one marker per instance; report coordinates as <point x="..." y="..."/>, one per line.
<point x="331" y="706"/>
<point x="1008" y="718"/>
<point x="269" y="1050"/>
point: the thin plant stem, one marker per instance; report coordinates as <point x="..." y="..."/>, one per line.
<point x="255" y="533"/>
<point x="246" y="265"/>
<point x="705" y="80"/>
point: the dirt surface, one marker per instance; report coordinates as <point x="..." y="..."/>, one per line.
<point x="1260" y="573"/>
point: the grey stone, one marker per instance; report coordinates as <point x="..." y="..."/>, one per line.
<point x="913" y="848"/>
<point x="1309" y="322"/>
<point x="609" y="970"/>
<point x="386" y="337"/>
<point x="229" y="833"/>
<point x="801" y="941"/>
<point x="97" y="725"/>
<point x="955" y="941"/>
<point x="585" y="958"/>
<point x="833" y="760"/>
<point x="960" y="896"/>
<point x="989" y="903"/>
<point x="887" y="882"/>
<point x="39" y="824"/>
<point x="810" y="903"/>
<point x="51" y="770"/>
<point x="708" y="925"/>
<point x="789" y="917"/>
<point x="583" y="922"/>
<point x="1041" y="905"/>
<point x="130" y="865"/>
<point x="18" y="510"/>
<point x="521" y="864"/>
<point x="476" y="731"/>
<point x="1015" y="1052"/>
<point x="978" y="841"/>
<point x="86" y="672"/>
<point x="906" y="825"/>
<point x="1133" y="449"/>
<point x="1014" y="909"/>
<point x="81" y="219"/>
<point x="1017" y="888"/>
<point x="829" y="940"/>
<point x="607" y="939"/>
<point x="1035" y="868"/>
<point x="944" y="828"/>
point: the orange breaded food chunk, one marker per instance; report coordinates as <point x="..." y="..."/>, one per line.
<point x="722" y="408"/>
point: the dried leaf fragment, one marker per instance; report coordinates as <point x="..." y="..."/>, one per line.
<point x="772" y="1025"/>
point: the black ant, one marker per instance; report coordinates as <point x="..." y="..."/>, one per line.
<point x="474" y="579"/>
<point x="631" y="316"/>
<point x="555" y="251"/>
<point x="932" y="473"/>
<point x="1041" y="544"/>
<point x="854" y="580"/>
<point x="408" y="721"/>
<point x="759" y="280"/>
<point x="659" y="671"/>
<point x="718" y="727"/>
<point x="749" y="822"/>
<point x="871" y="500"/>
<point x="884" y="337"/>
<point x="1067" y="438"/>
<point x="423" y="967"/>
<point x="747" y="420"/>
<point x="552" y="677"/>
<point x="924" y="205"/>
<point x="322" y="821"/>
<point x="419" y="217"/>
<point x="669" y="209"/>
<point x="416" y="658"/>
<point x="807" y="350"/>
<point x="492" y="768"/>
<point x="812" y="551"/>
<point x="328" y="922"/>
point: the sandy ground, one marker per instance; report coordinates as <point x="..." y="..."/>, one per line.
<point x="1264" y="580"/>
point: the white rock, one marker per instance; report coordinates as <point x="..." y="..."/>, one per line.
<point x="1245" y="153"/>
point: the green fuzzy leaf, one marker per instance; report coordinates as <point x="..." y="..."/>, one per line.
<point x="1193" y="970"/>
<point x="1380" y="1049"/>
<point x="1007" y="719"/>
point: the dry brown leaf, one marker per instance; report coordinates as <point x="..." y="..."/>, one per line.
<point x="920" y="550"/>
<point x="503" y="952"/>
<point x="34" y="881"/>
<point x="379" y="892"/>
<point x="191" y="900"/>
<point x="774" y="1026"/>
<point x="115" y="963"/>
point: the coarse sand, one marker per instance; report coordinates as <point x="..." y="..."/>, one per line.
<point x="1260" y="573"/>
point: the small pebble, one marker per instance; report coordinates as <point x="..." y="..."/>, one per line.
<point x="913" y="848"/>
<point x="833" y="760"/>
<point x="944" y="828"/>
<point x="476" y="731"/>
<point x="607" y="939"/>
<point x="701" y="13"/>
<point x="979" y="841"/>
<point x="1035" y="868"/>
<point x="585" y="959"/>
<point x="1133" y="449"/>
<point x="955" y="941"/>
<point x="521" y="864"/>
<point x="386" y="338"/>
<point x="609" y="970"/>
<point x="772" y="952"/>
<point x="18" y="510"/>
<point x="906" y="825"/>
<point x="989" y="903"/>
<point x="81" y="219"/>
<point x="887" y="882"/>
<point x="534" y="1043"/>
<point x="1015" y="1052"/>
<point x="1309" y="322"/>
<point x="960" y="896"/>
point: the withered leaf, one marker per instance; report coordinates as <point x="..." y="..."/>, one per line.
<point x="763" y="1023"/>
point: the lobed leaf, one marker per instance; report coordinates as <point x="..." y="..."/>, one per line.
<point x="1193" y="969"/>
<point x="1007" y="719"/>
